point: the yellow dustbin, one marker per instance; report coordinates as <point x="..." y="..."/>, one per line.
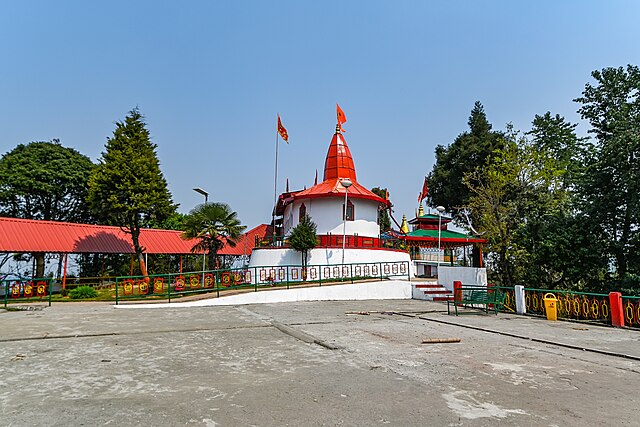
<point x="551" y="306"/>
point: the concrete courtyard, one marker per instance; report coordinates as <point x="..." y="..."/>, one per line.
<point x="323" y="363"/>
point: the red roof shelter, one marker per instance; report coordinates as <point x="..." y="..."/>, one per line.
<point x="30" y="236"/>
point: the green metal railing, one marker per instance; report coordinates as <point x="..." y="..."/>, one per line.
<point x="179" y="285"/>
<point x="571" y="305"/>
<point x="27" y="290"/>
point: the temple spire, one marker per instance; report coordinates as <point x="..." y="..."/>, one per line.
<point x="339" y="163"/>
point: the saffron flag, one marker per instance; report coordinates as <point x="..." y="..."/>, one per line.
<point x="282" y="131"/>
<point x="342" y="118"/>
<point x="425" y="191"/>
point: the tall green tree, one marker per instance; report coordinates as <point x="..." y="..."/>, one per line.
<point x="383" y="214"/>
<point x="555" y="135"/>
<point x="610" y="190"/>
<point x="212" y="225"/>
<point x="303" y="238"/>
<point x="44" y="180"/>
<point x="468" y="154"/>
<point x="127" y="188"/>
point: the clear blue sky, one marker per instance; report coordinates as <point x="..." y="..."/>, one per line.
<point x="210" y="77"/>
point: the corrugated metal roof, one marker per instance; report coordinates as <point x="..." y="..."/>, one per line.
<point x="245" y="244"/>
<point x="25" y="235"/>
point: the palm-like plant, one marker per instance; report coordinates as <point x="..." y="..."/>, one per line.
<point x="213" y="225"/>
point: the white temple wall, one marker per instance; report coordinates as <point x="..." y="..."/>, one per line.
<point x="326" y="212"/>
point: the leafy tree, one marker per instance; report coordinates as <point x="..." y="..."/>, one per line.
<point x="610" y="190"/>
<point x="128" y="188"/>
<point x="213" y="225"/>
<point x="383" y="215"/>
<point x="44" y="180"/>
<point x="173" y="222"/>
<point x="303" y="238"/>
<point x="519" y="186"/>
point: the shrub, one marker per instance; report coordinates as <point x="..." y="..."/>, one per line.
<point x="83" y="292"/>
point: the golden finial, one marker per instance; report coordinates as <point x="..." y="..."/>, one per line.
<point x="420" y="211"/>
<point x="404" y="227"/>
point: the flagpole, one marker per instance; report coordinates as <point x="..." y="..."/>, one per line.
<point x="275" y="190"/>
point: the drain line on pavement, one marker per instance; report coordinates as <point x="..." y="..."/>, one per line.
<point x="538" y="340"/>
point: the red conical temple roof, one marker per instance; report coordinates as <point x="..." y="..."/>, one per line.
<point x="337" y="166"/>
<point x="339" y="163"/>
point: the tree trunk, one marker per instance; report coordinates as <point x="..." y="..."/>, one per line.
<point x="476" y="253"/>
<point x="135" y="238"/>
<point x="39" y="256"/>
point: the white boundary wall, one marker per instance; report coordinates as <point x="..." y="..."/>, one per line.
<point x="390" y="289"/>
<point x="466" y="275"/>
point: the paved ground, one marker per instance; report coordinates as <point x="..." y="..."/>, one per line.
<point x="311" y="364"/>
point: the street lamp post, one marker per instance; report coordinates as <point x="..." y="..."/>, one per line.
<point x="203" y="192"/>
<point x="346" y="183"/>
<point x="440" y="209"/>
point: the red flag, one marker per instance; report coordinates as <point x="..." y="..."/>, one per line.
<point x="425" y="191"/>
<point x="342" y="118"/>
<point x="282" y="131"/>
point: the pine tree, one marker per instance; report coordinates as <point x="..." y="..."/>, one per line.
<point x="127" y="188"/>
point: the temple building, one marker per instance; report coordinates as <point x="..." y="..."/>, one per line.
<point x="339" y="206"/>
<point x="431" y="243"/>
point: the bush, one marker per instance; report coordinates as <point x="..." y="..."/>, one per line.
<point x="83" y="292"/>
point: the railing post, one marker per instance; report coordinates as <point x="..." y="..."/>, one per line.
<point x="351" y="272"/>
<point x="457" y="290"/>
<point x="117" y="290"/>
<point x="255" y="278"/>
<point x="218" y="284"/>
<point x="6" y="292"/>
<point x="521" y="306"/>
<point x="408" y="270"/>
<point x="380" y="266"/>
<point x="169" y="289"/>
<point x="50" y="289"/>
<point x="287" y="277"/>
<point x="617" y="313"/>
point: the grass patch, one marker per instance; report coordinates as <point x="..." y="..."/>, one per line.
<point x="83" y="292"/>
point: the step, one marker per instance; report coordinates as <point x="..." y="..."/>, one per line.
<point x="427" y="285"/>
<point x="437" y="291"/>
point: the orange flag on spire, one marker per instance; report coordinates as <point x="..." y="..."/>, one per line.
<point x="425" y="191"/>
<point x="342" y="118"/>
<point x="282" y="131"/>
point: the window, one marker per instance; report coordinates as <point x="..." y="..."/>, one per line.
<point x="350" y="211"/>
<point x="303" y="212"/>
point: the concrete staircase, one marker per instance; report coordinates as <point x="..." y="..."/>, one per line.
<point x="430" y="291"/>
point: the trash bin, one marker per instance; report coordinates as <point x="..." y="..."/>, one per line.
<point x="551" y="306"/>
